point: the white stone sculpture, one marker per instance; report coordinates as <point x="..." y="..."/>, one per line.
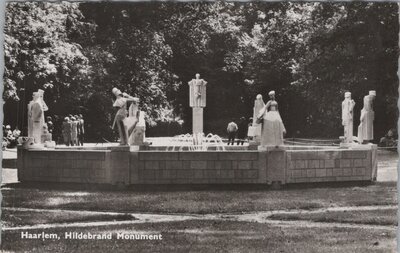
<point x="120" y="105"/>
<point x="197" y="96"/>
<point x="273" y="128"/>
<point x="35" y="111"/>
<point x="366" y="127"/>
<point x="35" y="97"/>
<point x="136" y="124"/>
<point x="347" y="117"/>
<point x="255" y="128"/>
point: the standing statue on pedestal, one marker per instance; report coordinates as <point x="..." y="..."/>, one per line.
<point x="136" y="124"/>
<point x="46" y="136"/>
<point x="273" y="128"/>
<point x="44" y="106"/>
<point x="255" y="129"/>
<point x="197" y="100"/>
<point x="35" y="97"/>
<point x="121" y="113"/>
<point x="35" y="114"/>
<point x="347" y="117"/>
<point x="366" y="127"/>
<point x="197" y="92"/>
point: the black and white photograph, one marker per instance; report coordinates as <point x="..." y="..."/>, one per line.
<point x="221" y="126"/>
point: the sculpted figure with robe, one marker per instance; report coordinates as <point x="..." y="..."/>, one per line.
<point x="366" y="127"/>
<point x="255" y="129"/>
<point x="273" y="128"/>
<point x="136" y="124"/>
<point x="197" y="95"/>
<point x="35" y="97"/>
<point x="347" y="117"/>
<point x="120" y="105"/>
<point x="36" y="114"/>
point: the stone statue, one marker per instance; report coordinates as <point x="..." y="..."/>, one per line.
<point x="273" y="128"/>
<point x="197" y="92"/>
<point x="366" y="127"/>
<point x="44" y="106"/>
<point x="35" y="97"/>
<point x="136" y="124"/>
<point x="46" y="136"/>
<point x="120" y="105"/>
<point x="347" y="117"/>
<point x="255" y="129"/>
<point x="35" y="115"/>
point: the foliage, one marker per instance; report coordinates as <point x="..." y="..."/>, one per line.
<point x="38" y="49"/>
<point x="309" y="53"/>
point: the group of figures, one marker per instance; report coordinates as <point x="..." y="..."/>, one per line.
<point x="37" y="127"/>
<point x="267" y="127"/>
<point x="130" y="124"/>
<point x="73" y="130"/>
<point x="366" y="127"/>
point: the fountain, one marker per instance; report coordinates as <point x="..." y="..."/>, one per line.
<point x="197" y="159"/>
<point x="196" y="142"/>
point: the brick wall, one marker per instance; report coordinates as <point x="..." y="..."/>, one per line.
<point x="124" y="166"/>
<point x="63" y="166"/>
<point x="329" y="165"/>
<point x="226" y="167"/>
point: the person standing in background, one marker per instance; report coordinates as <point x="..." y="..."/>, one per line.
<point x="231" y="129"/>
<point x="66" y="131"/>
<point x="81" y="129"/>
<point x="74" y="131"/>
<point x="50" y="125"/>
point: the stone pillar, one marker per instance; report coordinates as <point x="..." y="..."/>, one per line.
<point x="119" y="166"/>
<point x="374" y="161"/>
<point x="197" y="120"/>
<point x="276" y="165"/>
<point x="197" y="100"/>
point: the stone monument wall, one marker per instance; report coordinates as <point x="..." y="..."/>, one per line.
<point x="225" y="167"/>
<point x="306" y="166"/>
<point x="78" y="166"/>
<point x="121" y="166"/>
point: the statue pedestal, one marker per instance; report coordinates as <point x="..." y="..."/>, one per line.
<point x="197" y="120"/>
<point x="46" y="137"/>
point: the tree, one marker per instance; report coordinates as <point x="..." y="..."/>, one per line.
<point x="39" y="53"/>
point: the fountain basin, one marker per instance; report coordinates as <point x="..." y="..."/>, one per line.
<point x="134" y="166"/>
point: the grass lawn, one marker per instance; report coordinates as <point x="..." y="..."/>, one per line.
<point x="205" y="235"/>
<point x="215" y="236"/>
<point x="202" y="201"/>
<point x="373" y="217"/>
<point x="17" y="218"/>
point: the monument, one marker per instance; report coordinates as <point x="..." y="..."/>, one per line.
<point x="272" y="164"/>
<point x="273" y="128"/>
<point x="197" y="100"/>
<point x="136" y="124"/>
<point x="347" y="117"/>
<point x="120" y="105"/>
<point x="37" y="127"/>
<point x="366" y="127"/>
<point x="255" y="128"/>
<point x="35" y="123"/>
<point x="35" y="97"/>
